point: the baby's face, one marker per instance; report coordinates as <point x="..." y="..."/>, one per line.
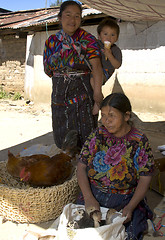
<point x="108" y="34"/>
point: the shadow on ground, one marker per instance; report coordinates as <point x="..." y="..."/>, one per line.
<point x="46" y="139"/>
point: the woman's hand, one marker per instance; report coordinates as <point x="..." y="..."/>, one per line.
<point x="98" y="97"/>
<point x="96" y="109"/>
<point x="139" y="194"/>
<point x="127" y="212"/>
<point x="92" y="202"/>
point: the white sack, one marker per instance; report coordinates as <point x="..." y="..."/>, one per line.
<point x="114" y="231"/>
<point x="49" y="150"/>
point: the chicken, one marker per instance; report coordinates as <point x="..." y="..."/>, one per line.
<point x="86" y="220"/>
<point x="48" y="172"/>
<point x="109" y="216"/>
<point x="15" y="163"/>
<point x="42" y="170"/>
<point x="69" y="145"/>
<point x="73" y="224"/>
<point x="96" y="216"/>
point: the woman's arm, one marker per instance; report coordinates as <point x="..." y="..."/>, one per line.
<point x="46" y="57"/>
<point x="140" y="193"/>
<point x="85" y="187"/>
<point x="97" y="79"/>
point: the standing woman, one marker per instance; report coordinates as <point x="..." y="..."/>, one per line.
<point x="69" y="57"/>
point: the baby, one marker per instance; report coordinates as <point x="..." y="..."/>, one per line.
<point x="111" y="56"/>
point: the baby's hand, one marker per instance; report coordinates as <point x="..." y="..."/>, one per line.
<point x="96" y="109"/>
<point x="107" y="52"/>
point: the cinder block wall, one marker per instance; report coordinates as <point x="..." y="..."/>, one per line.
<point x="12" y="63"/>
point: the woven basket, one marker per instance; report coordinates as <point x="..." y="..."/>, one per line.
<point x="22" y="204"/>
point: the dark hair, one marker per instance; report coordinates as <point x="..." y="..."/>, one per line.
<point x="65" y="4"/>
<point x="109" y="23"/>
<point x="119" y="101"/>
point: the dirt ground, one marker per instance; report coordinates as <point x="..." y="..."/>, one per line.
<point x="21" y="121"/>
<point x="24" y="124"/>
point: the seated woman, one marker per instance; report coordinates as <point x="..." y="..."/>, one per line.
<point x="116" y="165"/>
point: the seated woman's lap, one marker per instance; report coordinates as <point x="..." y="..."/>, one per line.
<point x="138" y="224"/>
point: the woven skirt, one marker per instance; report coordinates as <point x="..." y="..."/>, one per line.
<point x="72" y="104"/>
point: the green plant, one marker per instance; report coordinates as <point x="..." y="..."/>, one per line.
<point x="3" y="94"/>
<point x="17" y="96"/>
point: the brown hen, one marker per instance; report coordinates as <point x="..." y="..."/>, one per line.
<point x="42" y="170"/>
<point x="16" y="163"/>
<point x="48" y="172"/>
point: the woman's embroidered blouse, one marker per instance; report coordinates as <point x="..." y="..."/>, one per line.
<point x="117" y="163"/>
<point x="62" y="50"/>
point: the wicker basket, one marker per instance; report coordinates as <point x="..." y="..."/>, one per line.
<point x="22" y="204"/>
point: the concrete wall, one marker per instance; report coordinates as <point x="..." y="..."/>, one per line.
<point x="142" y="74"/>
<point x="12" y="64"/>
<point x="37" y="84"/>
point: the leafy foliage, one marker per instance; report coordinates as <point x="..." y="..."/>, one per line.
<point x="56" y="3"/>
<point x="3" y="94"/>
<point x="6" y="95"/>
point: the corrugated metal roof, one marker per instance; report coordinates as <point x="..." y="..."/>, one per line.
<point x="24" y="19"/>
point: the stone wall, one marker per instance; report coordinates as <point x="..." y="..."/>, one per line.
<point x="12" y="63"/>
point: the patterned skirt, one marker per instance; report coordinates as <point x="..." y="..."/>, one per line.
<point x="72" y="104"/>
<point x="138" y="224"/>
